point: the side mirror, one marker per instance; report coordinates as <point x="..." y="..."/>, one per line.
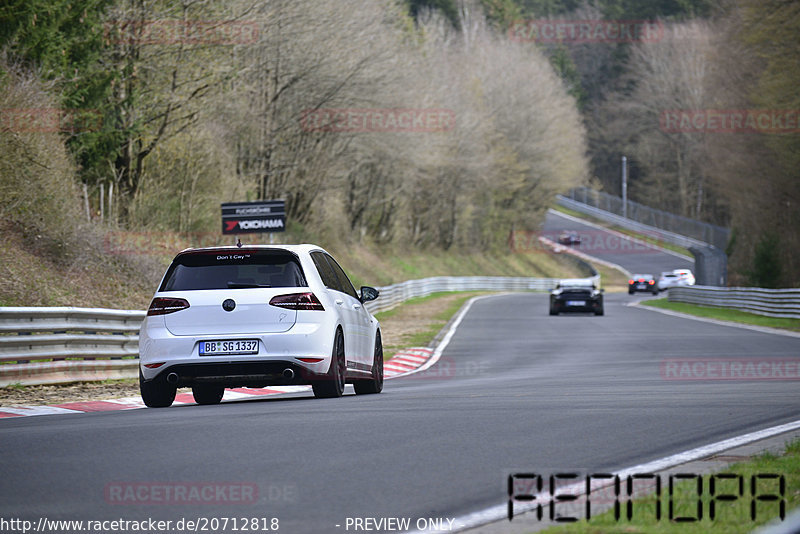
<point x="369" y="293"/>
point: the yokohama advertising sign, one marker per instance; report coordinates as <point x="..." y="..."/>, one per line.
<point x="253" y="217"/>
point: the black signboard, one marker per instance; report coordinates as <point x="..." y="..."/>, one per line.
<point x="253" y="217"/>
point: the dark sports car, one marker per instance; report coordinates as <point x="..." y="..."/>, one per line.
<point x="642" y="282"/>
<point x="576" y="295"/>
<point x="568" y="237"/>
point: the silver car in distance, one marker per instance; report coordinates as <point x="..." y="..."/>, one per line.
<point x="257" y="316"/>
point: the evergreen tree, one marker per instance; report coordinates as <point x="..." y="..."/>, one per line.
<point x="447" y="7"/>
<point x="767" y="262"/>
<point x="63" y="41"/>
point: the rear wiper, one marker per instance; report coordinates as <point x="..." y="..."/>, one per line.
<point x="237" y="285"/>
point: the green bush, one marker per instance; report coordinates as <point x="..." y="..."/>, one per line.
<point x="767" y="268"/>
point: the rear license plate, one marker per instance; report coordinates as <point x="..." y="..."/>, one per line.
<point x="641" y="286"/>
<point x="576" y="303"/>
<point x="226" y="347"/>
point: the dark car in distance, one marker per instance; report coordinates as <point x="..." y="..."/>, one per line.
<point x="576" y="295"/>
<point x="642" y="283"/>
<point x="569" y="237"/>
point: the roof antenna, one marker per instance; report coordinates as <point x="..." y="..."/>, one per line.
<point x="238" y="242"/>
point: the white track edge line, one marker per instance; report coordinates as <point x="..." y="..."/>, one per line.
<point x="26" y="410"/>
<point x="500" y="512"/>
<point x="437" y="353"/>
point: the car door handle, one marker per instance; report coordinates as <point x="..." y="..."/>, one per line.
<point x="339" y="302"/>
<point x="356" y="306"/>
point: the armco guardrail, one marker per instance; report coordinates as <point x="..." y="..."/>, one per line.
<point x="100" y="344"/>
<point x="670" y="223"/>
<point x="80" y="344"/>
<point x="651" y="231"/>
<point x="711" y="263"/>
<point x="397" y="293"/>
<point x="769" y="302"/>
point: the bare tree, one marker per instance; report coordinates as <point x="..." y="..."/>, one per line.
<point x="514" y="137"/>
<point x="311" y="56"/>
<point x="756" y="173"/>
<point x="169" y="63"/>
<point x="518" y="140"/>
<point x="669" y="77"/>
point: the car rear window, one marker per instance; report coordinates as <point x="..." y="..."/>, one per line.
<point x="234" y="270"/>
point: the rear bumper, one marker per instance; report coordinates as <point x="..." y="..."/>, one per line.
<point x="648" y="289"/>
<point x="276" y="352"/>
<point x="590" y="306"/>
<point x="255" y="374"/>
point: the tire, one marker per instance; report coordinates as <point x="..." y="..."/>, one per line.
<point x="208" y="394"/>
<point x="599" y="312"/>
<point x="630" y="292"/>
<point x="156" y="393"/>
<point x="375" y="384"/>
<point x="655" y="293"/>
<point x="332" y="386"/>
<point x="553" y="311"/>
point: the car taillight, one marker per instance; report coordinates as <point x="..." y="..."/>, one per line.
<point x="297" y="301"/>
<point x="651" y="282"/>
<point x="165" y="305"/>
<point x="630" y="281"/>
<point x="641" y="279"/>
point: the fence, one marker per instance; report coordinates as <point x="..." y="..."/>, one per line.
<point x="81" y="344"/>
<point x="619" y="220"/>
<point x="769" y="302"/>
<point x="99" y="344"/>
<point x="654" y="219"/>
<point x="397" y="293"/>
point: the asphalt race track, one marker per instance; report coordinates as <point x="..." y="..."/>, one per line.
<point x="515" y="389"/>
<point x="638" y="259"/>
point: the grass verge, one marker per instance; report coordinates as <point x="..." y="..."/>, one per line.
<point x="122" y="269"/>
<point x="612" y="280"/>
<point x="730" y="517"/>
<point x="726" y="314"/>
<point x="19" y="395"/>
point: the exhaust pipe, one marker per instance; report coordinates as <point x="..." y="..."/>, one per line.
<point x="288" y="373"/>
<point x="172" y="378"/>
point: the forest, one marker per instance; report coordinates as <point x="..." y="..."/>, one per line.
<point x="144" y="115"/>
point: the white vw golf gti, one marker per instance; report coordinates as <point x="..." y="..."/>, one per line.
<point x="257" y="316"/>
